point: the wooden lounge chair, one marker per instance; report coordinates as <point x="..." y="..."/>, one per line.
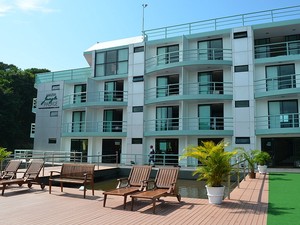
<point x="133" y="183"/>
<point x="31" y="176"/>
<point x="163" y="185"/>
<point x="10" y="171"/>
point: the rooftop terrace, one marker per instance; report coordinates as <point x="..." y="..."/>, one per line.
<point x="268" y="16"/>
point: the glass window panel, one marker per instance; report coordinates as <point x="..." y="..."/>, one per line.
<point x="111" y="69"/>
<point x="99" y="70"/>
<point x="122" y="67"/>
<point x="123" y="55"/>
<point x="100" y="58"/>
<point x="111" y="56"/>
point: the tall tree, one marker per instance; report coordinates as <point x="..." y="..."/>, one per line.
<point x="16" y="94"/>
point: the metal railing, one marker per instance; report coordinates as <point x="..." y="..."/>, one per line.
<point x="287" y="120"/>
<point x="94" y="126"/>
<point x="247" y="19"/>
<point x="290" y="81"/>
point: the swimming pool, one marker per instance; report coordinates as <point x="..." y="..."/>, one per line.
<point x="187" y="188"/>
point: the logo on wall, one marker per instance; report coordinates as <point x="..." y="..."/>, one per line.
<point x="50" y="101"/>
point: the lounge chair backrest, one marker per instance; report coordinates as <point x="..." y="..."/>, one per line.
<point x="11" y="169"/>
<point x="165" y="177"/>
<point x="33" y="169"/>
<point x="139" y="174"/>
<point x="13" y="166"/>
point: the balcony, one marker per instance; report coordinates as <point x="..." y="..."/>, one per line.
<point x="213" y="126"/>
<point x="34" y="104"/>
<point x="95" y="128"/>
<point x="76" y="74"/>
<point x="277" y="86"/>
<point x="209" y="56"/>
<point x="100" y="98"/>
<point x="32" y="130"/>
<point x="277" y="124"/>
<point x="190" y="91"/>
<point x="281" y="50"/>
<point x="260" y="17"/>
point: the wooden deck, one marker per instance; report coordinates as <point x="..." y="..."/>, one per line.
<point x="248" y="205"/>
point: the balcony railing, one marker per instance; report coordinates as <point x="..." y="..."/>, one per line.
<point x="95" y="127"/>
<point x="247" y="19"/>
<point x="277" y="49"/>
<point x="287" y="120"/>
<point x="290" y="81"/>
<point x="190" y="89"/>
<point x="190" y="56"/>
<point x="96" y="97"/>
<point x="190" y="124"/>
<point x="75" y="74"/>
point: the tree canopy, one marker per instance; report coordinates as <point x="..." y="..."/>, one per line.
<point x="16" y="94"/>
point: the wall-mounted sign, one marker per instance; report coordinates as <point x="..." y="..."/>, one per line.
<point x="50" y="101"/>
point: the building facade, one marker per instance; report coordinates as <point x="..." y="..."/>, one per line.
<point x="235" y="79"/>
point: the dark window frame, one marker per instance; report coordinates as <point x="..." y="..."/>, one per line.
<point x="241" y="34"/>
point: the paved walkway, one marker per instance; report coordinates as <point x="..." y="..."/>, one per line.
<point x="248" y="205"/>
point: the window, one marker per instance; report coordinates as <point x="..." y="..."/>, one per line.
<point x="280" y="77"/>
<point x="137" y="109"/>
<point x="211" y="117"/>
<point x="114" y="91"/>
<point x="113" y="120"/>
<point x="78" y="121"/>
<point x="242" y="68"/>
<point x="55" y="87"/>
<point x="167" y="118"/>
<point x="241" y="34"/>
<point x="167" y="151"/>
<point x="242" y="140"/>
<point x="79" y="93"/>
<point x="167" y="85"/>
<point x="138" y="79"/>
<point x="211" y="82"/>
<point x="52" y="141"/>
<point x="242" y="104"/>
<point x="138" y="49"/>
<point x="283" y="114"/>
<point x="54" y="114"/>
<point x="136" y="141"/>
<point x="211" y="49"/>
<point x="167" y="54"/>
<point x="113" y="62"/>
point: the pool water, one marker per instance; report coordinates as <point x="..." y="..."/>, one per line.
<point x="187" y="188"/>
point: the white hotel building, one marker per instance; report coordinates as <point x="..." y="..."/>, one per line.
<point x="235" y="78"/>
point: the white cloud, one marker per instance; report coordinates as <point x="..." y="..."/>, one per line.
<point x="34" y="5"/>
<point x="5" y="7"/>
<point x="8" y="6"/>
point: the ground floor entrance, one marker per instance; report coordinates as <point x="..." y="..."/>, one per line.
<point x="285" y="152"/>
<point x="111" y="150"/>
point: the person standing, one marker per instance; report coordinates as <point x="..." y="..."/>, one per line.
<point x="152" y="155"/>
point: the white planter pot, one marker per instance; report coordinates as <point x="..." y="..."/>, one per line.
<point x="262" y="169"/>
<point x="215" y="194"/>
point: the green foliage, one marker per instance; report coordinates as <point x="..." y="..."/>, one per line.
<point x="4" y="154"/>
<point x="214" y="159"/>
<point x="249" y="156"/>
<point x="16" y="94"/>
<point x="262" y="158"/>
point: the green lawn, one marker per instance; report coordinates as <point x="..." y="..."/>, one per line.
<point x="284" y="199"/>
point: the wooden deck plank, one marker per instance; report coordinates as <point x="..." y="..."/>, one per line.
<point x="248" y="205"/>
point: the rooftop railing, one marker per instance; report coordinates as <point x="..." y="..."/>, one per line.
<point x="247" y="19"/>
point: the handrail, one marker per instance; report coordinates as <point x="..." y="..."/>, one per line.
<point x="247" y="19"/>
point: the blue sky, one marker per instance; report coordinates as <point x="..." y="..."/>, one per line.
<point x="53" y="34"/>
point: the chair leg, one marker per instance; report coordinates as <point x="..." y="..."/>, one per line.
<point x="84" y="190"/>
<point x="104" y="201"/>
<point x="61" y="187"/>
<point x="124" y="203"/>
<point x="93" y="189"/>
<point x="132" y="202"/>
<point x="3" y="188"/>
<point x="154" y="204"/>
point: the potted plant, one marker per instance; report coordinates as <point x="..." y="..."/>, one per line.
<point x="3" y="155"/>
<point x="249" y="156"/>
<point x="262" y="158"/>
<point x="215" y="167"/>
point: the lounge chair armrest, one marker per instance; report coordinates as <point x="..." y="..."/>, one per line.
<point x="172" y="188"/>
<point x="122" y="182"/>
